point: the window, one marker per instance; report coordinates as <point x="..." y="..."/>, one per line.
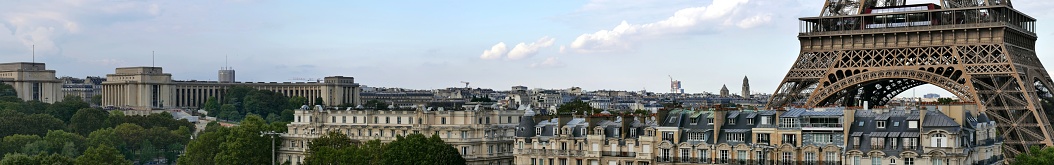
<point x="893" y="161"/>
<point x="343" y="119"/>
<point x="444" y="121"/>
<point x="333" y="119"/>
<point x="750" y="121"/>
<point x="856" y="160"/>
<point x="732" y="121"/>
<point x="398" y="120"/>
<point x="387" y="120"/>
<point x="856" y="142"/>
<point x="896" y="124"/>
<point x="936" y="162"/>
<point x="410" y="120"/>
<point x="790" y="138"/>
<point x="464" y="134"/>
<point x="913" y="124"/>
<point x="787" y="158"/>
<point x="861" y="124"/>
<point x="822" y="138"/>
<point x="877" y="142"/>
<point x="893" y="143"/>
<point x="909" y="161"/>
<point x="375" y="121"/>
<point x="724" y="155"/>
<point x="830" y="158"/>
<point x="938" y="140"/>
<point x="810" y="158"/>
<point x="532" y="161"/>
<point x="880" y="124"/>
<point x="684" y="155"/>
<point x="703" y="155"/>
<point x="911" y="143"/>
<point x="764" y="120"/>
<point x="763" y="138"/>
<point x="741" y="155"/>
<point x="710" y="121"/>
<point x="355" y="119"/>
<point x="876" y="161"/>
<point x="738" y="137"/>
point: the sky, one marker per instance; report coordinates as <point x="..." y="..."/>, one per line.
<point x="594" y="44"/>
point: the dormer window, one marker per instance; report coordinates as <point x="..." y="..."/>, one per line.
<point x="710" y="121"/>
<point x="732" y="121"/>
<point x="913" y="124"/>
<point x="694" y="121"/>
<point x="880" y="124"/>
<point x="750" y="121"/>
<point x="537" y="131"/>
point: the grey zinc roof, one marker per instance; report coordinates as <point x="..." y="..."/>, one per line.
<point x="526" y="127"/>
<point x="823" y="113"/>
<point x="937" y="119"/>
<point x="909" y="134"/>
<point x="751" y="114"/>
<point x="733" y="114"/>
<point x="737" y="130"/>
<point x="793" y="113"/>
<point x="882" y="117"/>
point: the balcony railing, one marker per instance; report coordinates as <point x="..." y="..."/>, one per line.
<point x="822" y="125"/>
<point x="619" y="154"/>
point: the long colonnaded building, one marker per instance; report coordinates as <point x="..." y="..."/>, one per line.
<point x="483" y="136"/>
<point x="145" y="88"/>
<point x="32" y="81"/>
<point x="944" y="135"/>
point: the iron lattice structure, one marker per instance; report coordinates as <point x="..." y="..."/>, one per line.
<point x="982" y="51"/>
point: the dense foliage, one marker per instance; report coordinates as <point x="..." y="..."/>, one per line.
<point x="1037" y="155"/>
<point x="241" y="144"/>
<point x="241" y="101"/>
<point x="71" y="132"/>
<point x="577" y="106"/>
<point x="336" y="148"/>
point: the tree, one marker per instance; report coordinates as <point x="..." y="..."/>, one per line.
<point x="67" y="143"/>
<point x="106" y="136"/>
<point x="229" y="112"/>
<point x="102" y="155"/>
<point x="12" y="123"/>
<point x="577" y="106"/>
<point x="318" y="101"/>
<point x="65" y="109"/>
<point x="147" y="152"/>
<point x="87" y="120"/>
<point x="244" y="145"/>
<point x="1037" y="155"/>
<point x="212" y="106"/>
<point x="946" y="100"/>
<point x="204" y="148"/>
<point x="53" y="159"/>
<point x="8" y="93"/>
<point x="418" y="149"/>
<point x="332" y="148"/>
<point x="376" y="105"/>
<point x="18" y="158"/>
<point x="287" y="115"/>
<point x="14" y="143"/>
<point x="296" y="101"/>
<point x="96" y="100"/>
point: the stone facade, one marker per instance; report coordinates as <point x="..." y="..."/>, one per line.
<point x="150" y="88"/>
<point x="483" y="136"/>
<point x="798" y="136"/>
<point x="32" y="81"/>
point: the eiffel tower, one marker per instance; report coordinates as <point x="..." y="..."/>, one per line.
<point x="982" y="51"/>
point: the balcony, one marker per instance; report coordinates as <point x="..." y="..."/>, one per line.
<point x="924" y="20"/>
<point x="619" y="154"/>
<point x="822" y="126"/>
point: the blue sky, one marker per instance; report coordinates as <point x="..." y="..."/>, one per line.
<point x="594" y="44"/>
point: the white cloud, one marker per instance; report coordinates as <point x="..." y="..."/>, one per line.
<point x="523" y="50"/>
<point x="719" y="14"/>
<point x="495" y="52"/>
<point x="46" y="23"/>
<point x="551" y="62"/>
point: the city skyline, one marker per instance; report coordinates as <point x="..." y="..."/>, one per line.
<point x="608" y="44"/>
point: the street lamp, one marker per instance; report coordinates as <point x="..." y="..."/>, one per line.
<point x="272" y="133"/>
